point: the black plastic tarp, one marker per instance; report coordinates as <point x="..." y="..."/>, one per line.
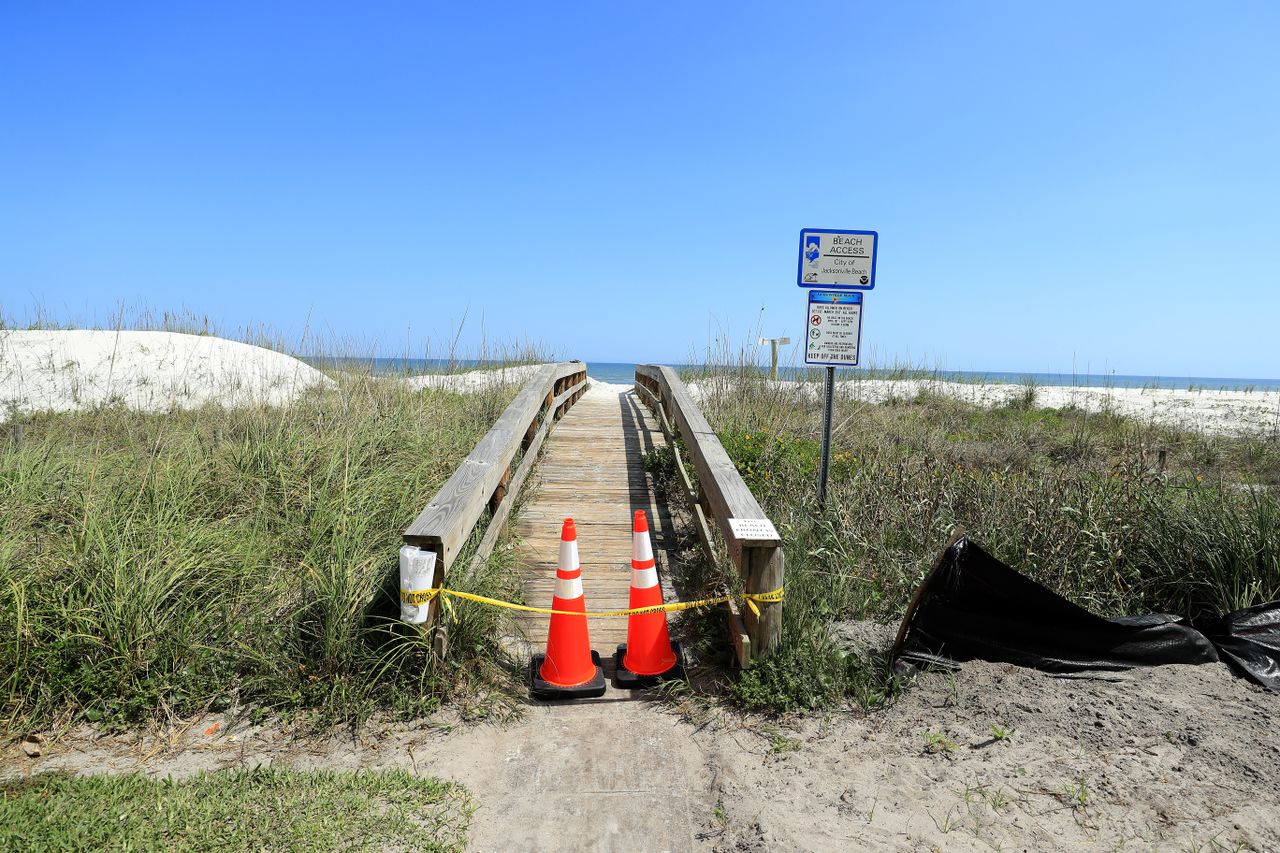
<point x="972" y="606"/>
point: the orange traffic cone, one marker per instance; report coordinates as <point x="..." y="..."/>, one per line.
<point x="569" y="669"/>
<point x="648" y="656"/>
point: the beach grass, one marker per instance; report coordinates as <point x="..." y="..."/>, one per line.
<point x="156" y="565"/>
<point x="265" y="808"/>
<point x="245" y="560"/>
<point x="1118" y="515"/>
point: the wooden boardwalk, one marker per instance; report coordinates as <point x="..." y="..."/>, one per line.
<point x="589" y="448"/>
<point x="592" y="470"/>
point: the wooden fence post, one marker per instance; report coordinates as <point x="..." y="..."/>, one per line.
<point x="763" y="568"/>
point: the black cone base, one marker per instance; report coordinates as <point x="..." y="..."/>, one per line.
<point x="540" y="689"/>
<point x="625" y="679"/>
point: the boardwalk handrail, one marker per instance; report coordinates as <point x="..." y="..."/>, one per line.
<point x="485" y="478"/>
<point x="722" y="495"/>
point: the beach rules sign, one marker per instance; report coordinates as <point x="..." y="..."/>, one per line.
<point x="834" y="258"/>
<point x="834" y="319"/>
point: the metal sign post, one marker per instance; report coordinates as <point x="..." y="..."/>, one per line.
<point x="834" y="322"/>
<point x="824" y="463"/>
<point x="845" y="260"/>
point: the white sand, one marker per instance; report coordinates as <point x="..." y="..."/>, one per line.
<point x="1230" y="412"/>
<point x="156" y="371"/>
<point x="607" y="389"/>
<point x="473" y="380"/>
<point x="480" y="380"/>
<point x="64" y="371"/>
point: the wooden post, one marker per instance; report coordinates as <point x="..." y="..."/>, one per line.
<point x="763" y="570"/>
<point x="434" y="627"/>
<point x="500" y="492"/>
<point x="738" y="635"/>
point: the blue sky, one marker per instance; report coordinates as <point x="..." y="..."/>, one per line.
<point x="1055" y="185"/>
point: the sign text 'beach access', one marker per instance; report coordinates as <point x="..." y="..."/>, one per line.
<point x="833" y="258"/>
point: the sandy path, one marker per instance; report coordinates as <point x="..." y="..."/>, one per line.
<point x="1175" y="757"/>
<point x="615" y="776"/>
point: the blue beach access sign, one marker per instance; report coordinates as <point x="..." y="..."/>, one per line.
<point x="840" y="259"/>
<point x="833" y="321"/>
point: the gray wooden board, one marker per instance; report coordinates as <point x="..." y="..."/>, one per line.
<point x="450" y="516"/>
<point x="728" y="494"/>
<point x="591" y="471"/>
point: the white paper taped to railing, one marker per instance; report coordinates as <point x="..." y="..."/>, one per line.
<point x="417" y="573"/>
<point x="754" y="530"/>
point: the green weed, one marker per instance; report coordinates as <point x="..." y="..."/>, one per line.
<point x="937" y="742"/>
<point x="259" y="809"/>
<point x="779" y="743"/>
<point x="1000" y="733"/>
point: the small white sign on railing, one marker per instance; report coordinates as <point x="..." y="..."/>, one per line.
<point x="753" y="529"/>
<point x="417" y="574"/>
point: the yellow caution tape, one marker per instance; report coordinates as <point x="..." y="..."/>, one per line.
<point x="753" y="599"/>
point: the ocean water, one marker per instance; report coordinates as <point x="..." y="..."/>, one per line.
<point x="624" y="372"/>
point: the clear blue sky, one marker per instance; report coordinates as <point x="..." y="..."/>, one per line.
<point x="1093" y="184"/>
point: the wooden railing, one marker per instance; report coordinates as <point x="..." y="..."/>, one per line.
<point x="485" y="479"/>
<point x="723" y="497"/>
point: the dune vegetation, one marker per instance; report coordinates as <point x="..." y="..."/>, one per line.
<point x="1118" y="515"/>
<point x="219" y="558"/>
<point x="244" y="559"/>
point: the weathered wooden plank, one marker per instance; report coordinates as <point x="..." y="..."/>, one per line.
<point x="590" y="470"/>
<point x="570" y="368"/>
<point x="564" y="398"/>
<point x="728" y="494"/>
<point x="724" y="495"/>
<point x="498" y="519"/>
<point x="651" y="372"/>
<point x="450" y="515"/>
<point x="737" y="630"/>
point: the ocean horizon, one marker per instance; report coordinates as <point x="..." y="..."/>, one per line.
<point x="624" y="372"/>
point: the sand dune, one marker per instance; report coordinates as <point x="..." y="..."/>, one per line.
<point x="1228" y="412"/>
<point x="64" y="371"/>
<point x="473" y="380"/>
<point x="156" y="371"/>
